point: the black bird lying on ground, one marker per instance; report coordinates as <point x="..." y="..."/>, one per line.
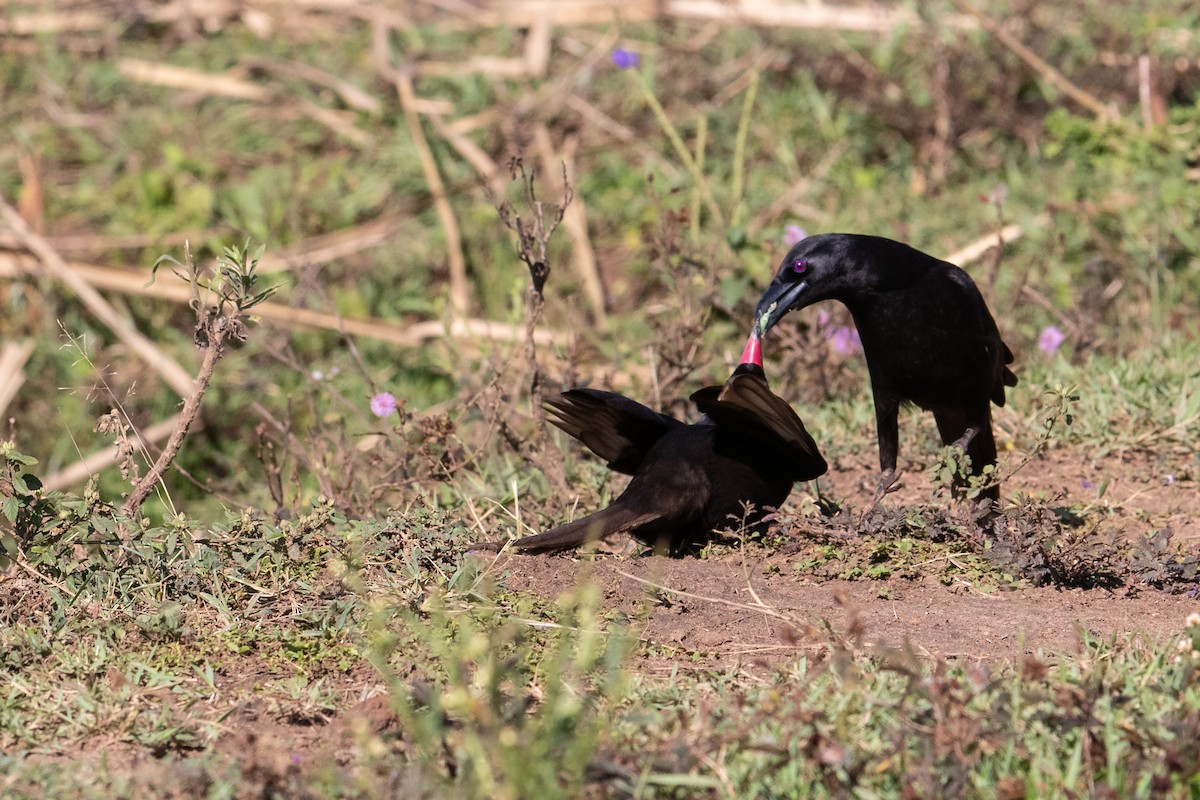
<point x="748" y="449"/>
<point x="926" y="332"/>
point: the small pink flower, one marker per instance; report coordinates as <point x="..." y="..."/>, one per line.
<point x="793" y="234"/>
<point x="1050" y="339"/>
<point x="846" y="340"/>
<point x="383" y="404"/>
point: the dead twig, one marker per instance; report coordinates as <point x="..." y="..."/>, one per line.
<point x="533" y="237"/>
<point x="574" y="220"/>
<point x="218" y="324"/>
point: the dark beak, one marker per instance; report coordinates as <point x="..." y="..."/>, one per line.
<point x="776" y="301"/>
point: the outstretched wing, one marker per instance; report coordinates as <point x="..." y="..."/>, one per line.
<point x="612" y="426"/>
<point x="746" y="404"/>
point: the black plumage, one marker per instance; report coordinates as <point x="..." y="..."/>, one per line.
<point x="747" y="449"/>
<point x="926" y="333"/>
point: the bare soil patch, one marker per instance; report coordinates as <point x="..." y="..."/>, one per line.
<point x="1146" y="491"/>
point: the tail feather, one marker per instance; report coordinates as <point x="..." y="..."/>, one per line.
<point x="615" y="519"/>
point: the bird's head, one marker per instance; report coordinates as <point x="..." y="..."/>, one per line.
<point x="816" y="268"/>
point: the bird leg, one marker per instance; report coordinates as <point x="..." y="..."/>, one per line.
<point x="888" y="482"/>
<point x="964" y="441"/>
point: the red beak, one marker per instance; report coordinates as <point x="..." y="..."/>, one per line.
<point x="753" y="352"/>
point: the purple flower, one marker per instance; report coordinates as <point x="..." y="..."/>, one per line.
<point x="1050" y="339"/>
<point x="383" y="404"/>
<point x="846" y="341"/>
<point x="1169" y="478"/>
<point x="1087" y="484"/>
<point x="624" y="59"/>
<point x="823" y="318"/>
<point x="792" y="234"/>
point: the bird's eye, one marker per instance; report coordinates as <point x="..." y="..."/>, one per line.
<point x="799" y="265"/>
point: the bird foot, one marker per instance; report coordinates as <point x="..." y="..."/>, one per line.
<point x="888" y="482"/>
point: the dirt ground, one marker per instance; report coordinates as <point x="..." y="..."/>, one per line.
<point x="737" y="606"/>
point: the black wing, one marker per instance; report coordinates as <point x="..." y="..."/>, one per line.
<point x="612" y="426"/>
<point x="1000" y="353"/>
<point x="745" y="403"/>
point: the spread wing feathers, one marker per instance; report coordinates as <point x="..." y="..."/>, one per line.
<point x="606" y="522"/>
<point x="746" y="402"/>
<point x="612" y="426"/>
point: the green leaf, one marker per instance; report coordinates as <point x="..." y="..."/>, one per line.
<point x="20" y="458"/>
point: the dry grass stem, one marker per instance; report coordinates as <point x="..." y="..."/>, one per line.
<point x="43" y="22"/>
<point x="532" y="63"/>
<point x="100" y="460"/>
<point x="333" y="246"/>
<point x="13" y="356"/>
<point x="980" y="247"/>
<point x="460" y="293"/>
<point x="472" y="153"/>
<point x="865" y="17"/>
<point x="350" y="94"/>
<point x="175" y="376"/>
<point x="537" y="15"/>
<point x="341" y="123"/>
<point x="1035" y="62"/>
<point x="100" y="243"/>
<point x="191" y="80"/>
<point x="133" y="282"/>
<point x="757" y="607"/>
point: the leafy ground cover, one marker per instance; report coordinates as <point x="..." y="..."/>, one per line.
<point x="293" y="609"/>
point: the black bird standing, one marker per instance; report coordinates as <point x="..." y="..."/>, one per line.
<point x="749" y="448"/>
<point x="926" y="333"/>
